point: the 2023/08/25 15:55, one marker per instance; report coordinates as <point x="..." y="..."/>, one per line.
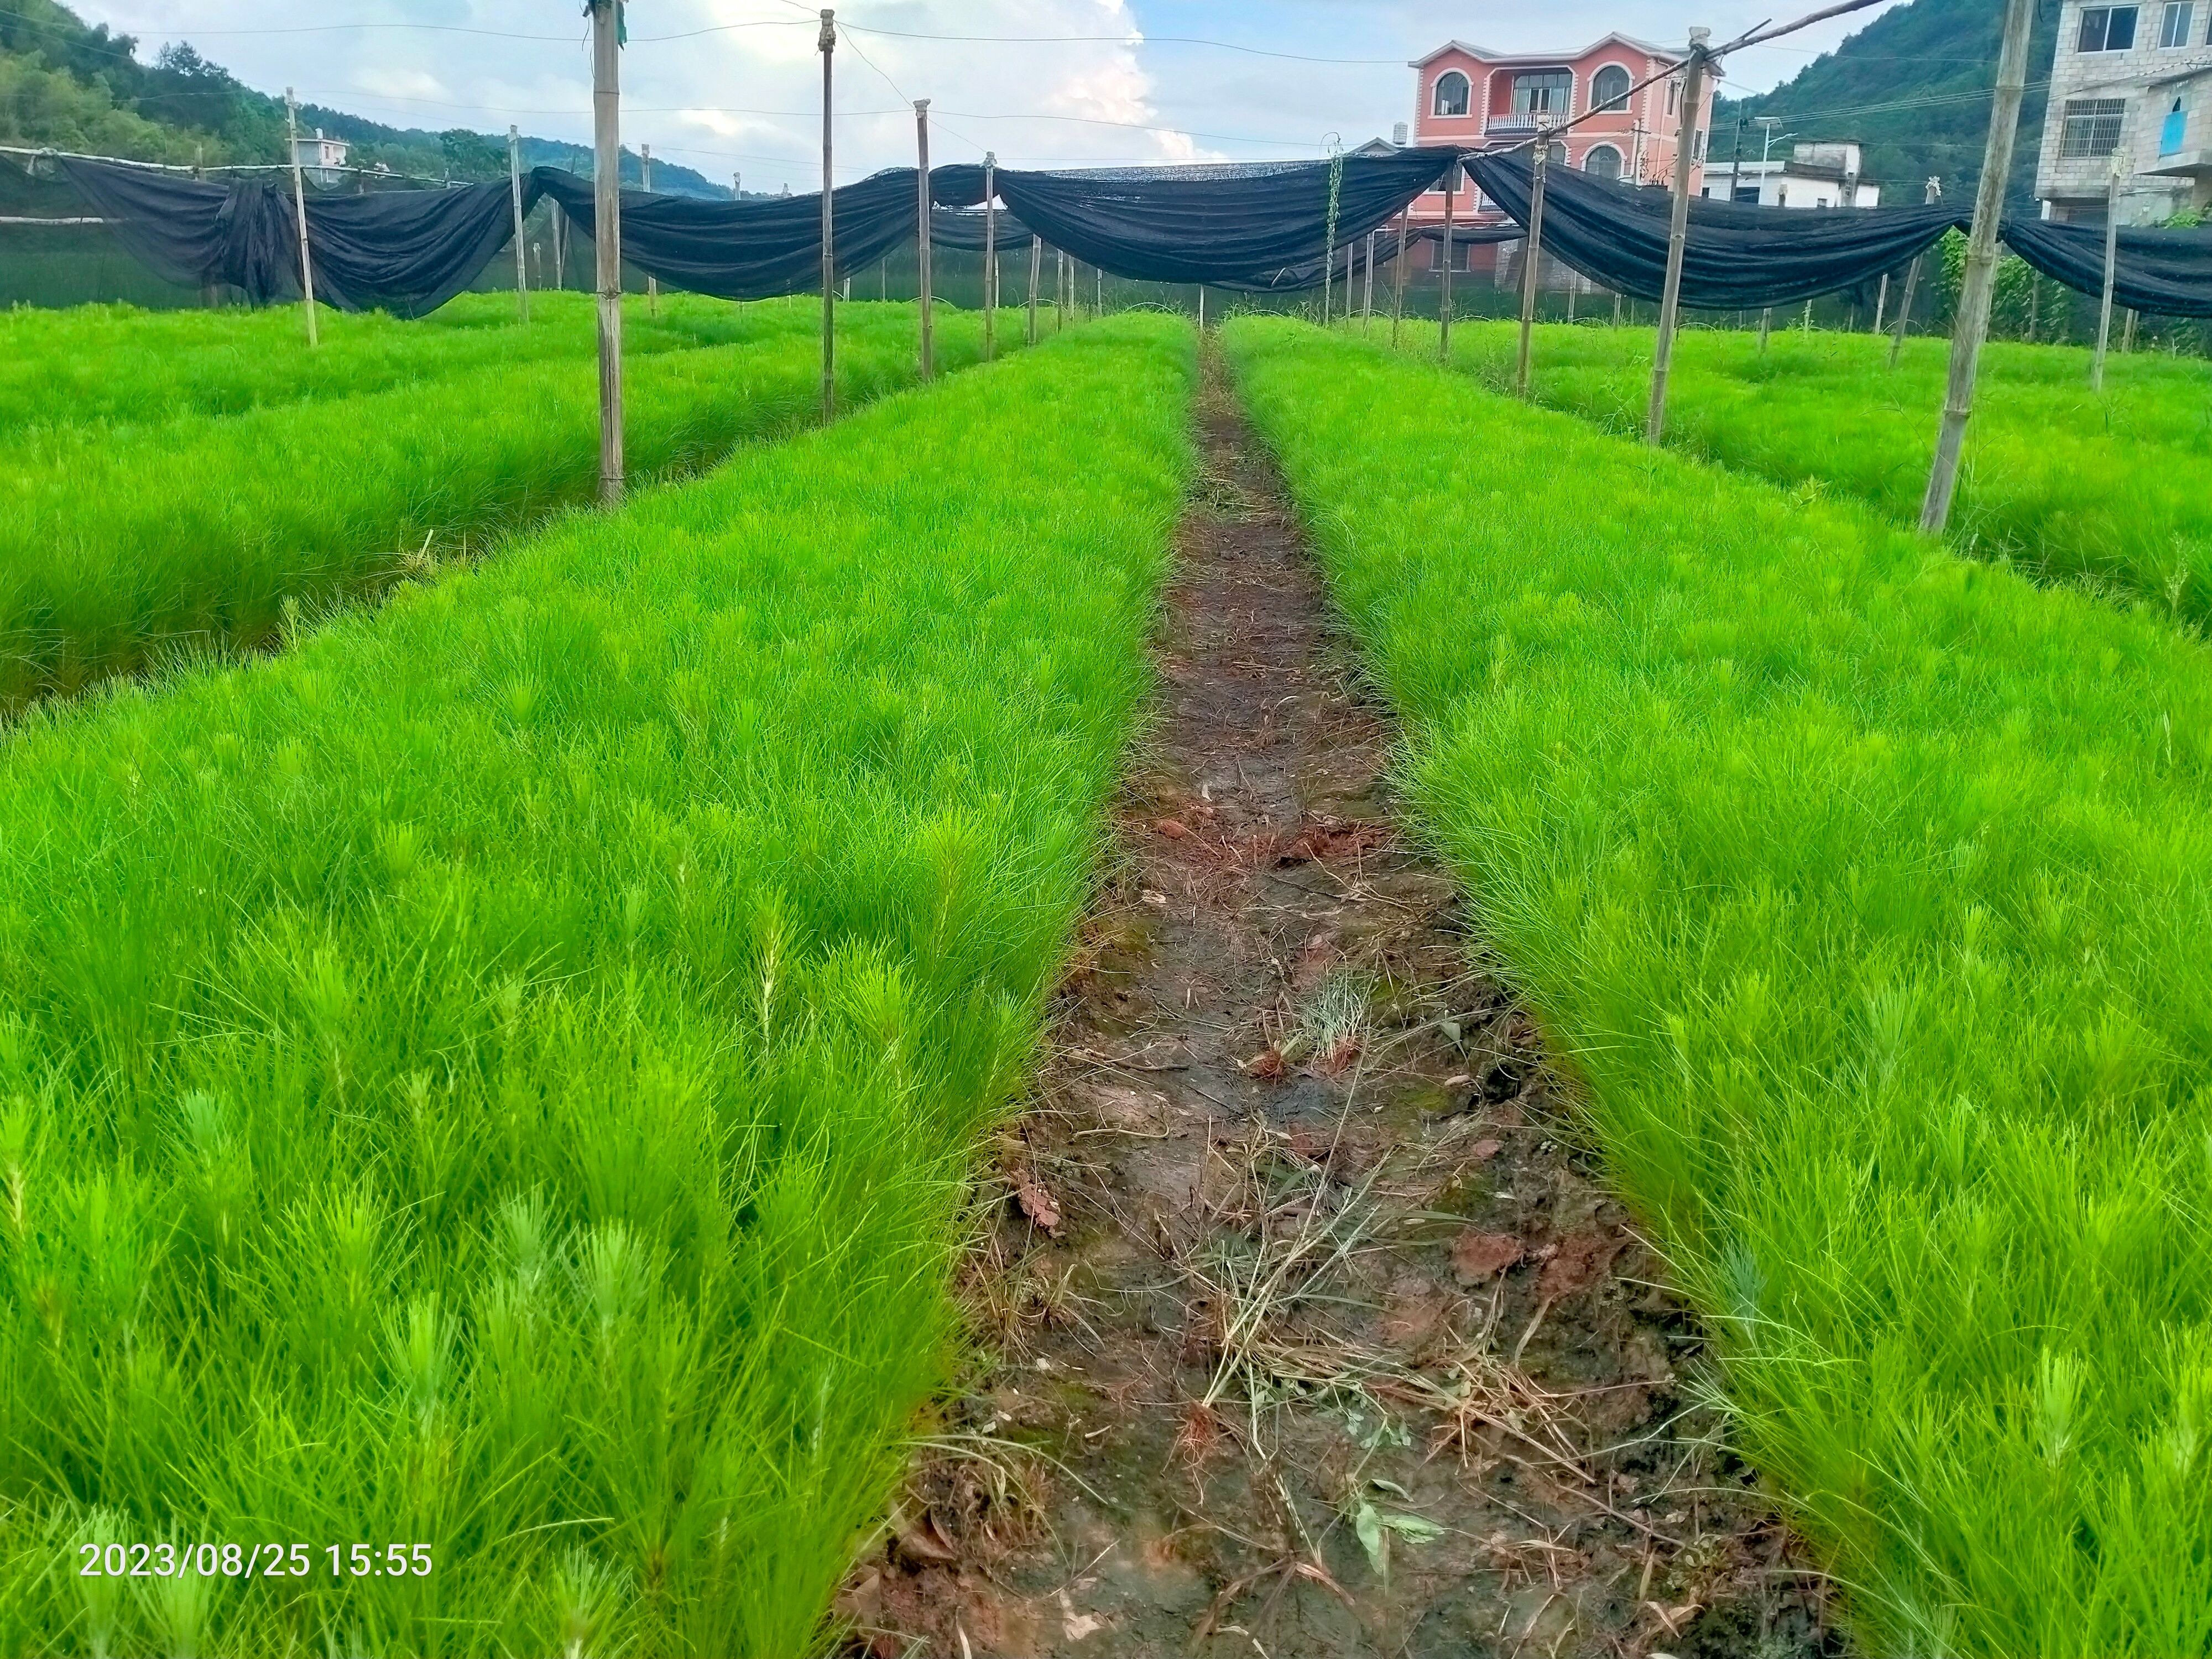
<point x="256" y="1561"/>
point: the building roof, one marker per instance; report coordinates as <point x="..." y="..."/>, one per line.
<point x="1489" y="57"/>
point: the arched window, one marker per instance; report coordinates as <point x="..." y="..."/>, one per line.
<point x="1609" y="90"/>
<point x="1555" y="156"/>
<point x="1451" y="93"/>
<point x="1603" y="162"/>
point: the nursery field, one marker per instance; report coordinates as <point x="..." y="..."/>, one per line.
<point x="1862" y="887"/>
<point x="2115" y="490"/>
<point x="500" y="1075"/>
<point x="125" y="543"/>
<point x="113" y="365"/>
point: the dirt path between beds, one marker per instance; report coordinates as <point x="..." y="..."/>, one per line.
<point x="1314" y="1333"/>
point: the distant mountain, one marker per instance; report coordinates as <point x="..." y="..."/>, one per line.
<point x="71" y="85"/>
<point x="1913" y="86"/>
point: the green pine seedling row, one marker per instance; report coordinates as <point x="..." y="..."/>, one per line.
<point x="120" y="547"/>
<point x="501" y="1075"/>
<point x="2115" y="493"/>
<point x="1863" y="888"/>
<point x="117" y="366"/>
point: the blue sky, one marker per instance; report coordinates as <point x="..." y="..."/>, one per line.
<point x="730" y="85"/>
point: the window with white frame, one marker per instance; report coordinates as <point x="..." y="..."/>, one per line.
<point x="2174" y="28"/>
<point x="1603" y="162"/>
<point x="1451" y="93"/>
<point x="1609" y="89"/>
<point x="2106" y="29"/>
<point x="1543" y="92"/>
<point x="2091" y="128"/>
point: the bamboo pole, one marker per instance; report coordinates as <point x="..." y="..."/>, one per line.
<point x="1398" y="277"/>
<point x="2128" y="335"/>
<point x="921" y="230"/>
<point x="1059" y="283"/>
<point x="1532" y="252"/>
<point x="1347" y="281"/>
<point x="645" y="178"/>
<point x="1974" y="321"/>
<point x="826" y="43"/>
<point x="2112" y="258"/>
<point x="1677" y="232"/>
<point x="1443" y="295"/>
<point x="1036" y="265"/>
<point x="990" y="254"/>
<point x="606" y="236"/>
<point x="521" y="253"/>
<point x="1881" y="302"/>
<point x="1911" y="284"/>
<point x="300" y="211"/>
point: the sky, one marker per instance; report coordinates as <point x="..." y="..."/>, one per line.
<point x="735" y="85"/>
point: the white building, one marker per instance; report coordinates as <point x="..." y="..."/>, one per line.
<point x="2130" y="92"/>
<point x="1823" y="175"/>
<point x="319" y="158"/>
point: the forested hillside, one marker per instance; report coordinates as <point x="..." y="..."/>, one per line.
<point x="1913" y="86"/>
<point x="71" y="85"/>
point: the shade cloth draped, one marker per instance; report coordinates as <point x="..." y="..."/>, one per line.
<point x="406" y="251"/>
<point x="1257" y="227"/>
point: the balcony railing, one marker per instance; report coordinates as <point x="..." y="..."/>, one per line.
<point x="1521" y="120"/>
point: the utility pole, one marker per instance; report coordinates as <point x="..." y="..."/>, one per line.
<point x="606" y="234"/>
<point x="521" y="256"/>
<point x="1678" y="231"/>
<point x="1735" y="159"/>
<point x="922" y="145"/>
<point x="1974" y="297"/>
<point x="299" y="209"/>
<point x="827" y="43"/>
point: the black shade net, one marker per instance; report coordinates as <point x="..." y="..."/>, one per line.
<point x="1253" y="227"/>
<point x="2168" y="273"/>
<point x="1233" y="224"/>
<point x="1736" y="255"/>
<point x="407" y="252"/>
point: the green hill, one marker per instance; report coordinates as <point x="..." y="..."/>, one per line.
<point x="1913" y="86"/>
<point x="66" y="84"/>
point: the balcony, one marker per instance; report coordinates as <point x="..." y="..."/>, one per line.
<point x="1519" y="123"/>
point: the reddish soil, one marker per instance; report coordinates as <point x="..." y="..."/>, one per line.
<point x="1313" y="1330"/>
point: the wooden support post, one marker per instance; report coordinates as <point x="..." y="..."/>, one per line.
<point x="1975" y="293"/>
<point x="1616" y="308"/>
<point x="1347" y="281"/>
<point x="1766" y="326"/>
<point x="1443" y="293"/>
<point x="1059" y="283"/>
<point x="1809" y="317"/>
<point x="521" y="254"/>
<point x="1532" y="253"/>
<point x="607" y="234"/>
<point x="1881" y="302"/>
<point x="1367" y="287"/>
<point x="1036" y="265"/>
<point x="558" y="223"/>
<point x="1574" y="288"/>
<point x="2128" y="336"/>
<point x="922" y="230"/>
<point x="1398" y="278"/>
<point x="826" y="43"/>
<point x="645" y="178"/>
<point x="2112" y="256"/>
<point x="1677" y="232"/>
<point x="990" y="254"/>
<point x="1911" y="284"/>
<point x="1201" y="307"/>
<point x="300" y="211"/>
<point x="1098" y="291"/>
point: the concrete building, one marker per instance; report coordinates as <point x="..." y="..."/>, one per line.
<point x="1476" y="98"/>
<point x="2130" y="93"/>
<point x="1818" y="175"/>
<point x="320" y="158"/>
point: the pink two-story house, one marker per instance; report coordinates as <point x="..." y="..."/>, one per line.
<point x="1478" y="98"/>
